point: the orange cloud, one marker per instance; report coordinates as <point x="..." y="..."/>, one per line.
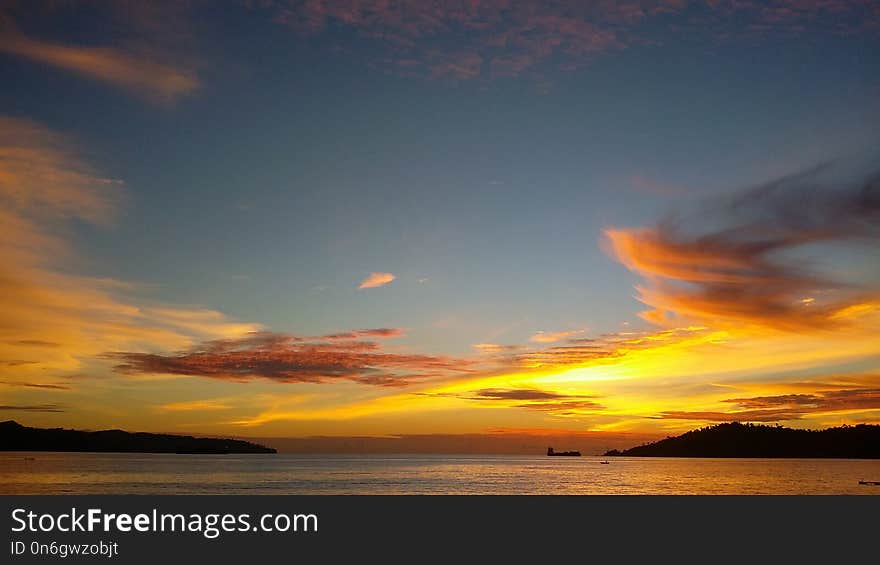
<point x="194" y="406"/>
<point x="137" y="72"/>
<point x="54" y="322"/>
<point x="376" y="280"/>
<point x="576" y="351"/>
<point x="293" y="359"/>
<point x="740" y="273"/>
<point x="495" y="348"/>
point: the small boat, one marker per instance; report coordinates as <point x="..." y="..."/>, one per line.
<point x="875" y="483"/>
<point x="604" y="462"/>
<point x="551" y="453"/>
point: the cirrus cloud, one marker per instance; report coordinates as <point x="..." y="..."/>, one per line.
<point x="52" y="320"/>
<point x="552" y="337"/>
<point x="136" y="72"/>
<point x="144" y="48"/>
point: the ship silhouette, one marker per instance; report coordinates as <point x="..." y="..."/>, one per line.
<point x="551" y="453"/>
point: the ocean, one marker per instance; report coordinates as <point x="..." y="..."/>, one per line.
<point x="123" y="473"/>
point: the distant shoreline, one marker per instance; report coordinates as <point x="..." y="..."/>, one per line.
<point x="16" y="437"/>
<point x="589" y="459"/>
<point x="722" y="441"/>
<point x="750" y="441"/>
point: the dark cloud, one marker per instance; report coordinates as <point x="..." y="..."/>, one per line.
<point x="828" y="401"/>
<point x="761" y="402"/>
<point x="36" y="385"/>
<point x="531" y="399"/>
<point x="32" y="408"/>
<point x="563" y="407"/>
<point x="742" y="416"/>
<point x="376" y="333"/>
<point x="787" y="406"/>
<point x="515" y="394"/>
<point x="35" y="343"/>
<point x="294" y="359"/>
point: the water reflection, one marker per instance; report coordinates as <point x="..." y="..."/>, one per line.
<point x="119" y="473"/>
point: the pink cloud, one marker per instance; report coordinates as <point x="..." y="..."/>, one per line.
<point x="485" y="39"/>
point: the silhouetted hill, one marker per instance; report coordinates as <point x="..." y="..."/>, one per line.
<point x="15" y="437"/>
<point x="750" y="440"/>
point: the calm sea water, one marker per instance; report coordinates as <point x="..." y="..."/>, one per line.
<point x="117" y="473"/>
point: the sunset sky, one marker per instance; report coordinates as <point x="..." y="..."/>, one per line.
<point x="418" y="218"/>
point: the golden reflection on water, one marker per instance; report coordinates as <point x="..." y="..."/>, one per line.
<point x="117" y="473"/>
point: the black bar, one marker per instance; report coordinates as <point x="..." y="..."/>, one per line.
<point x="462" y="528"/>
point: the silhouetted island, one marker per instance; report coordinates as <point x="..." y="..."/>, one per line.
<point x="750" y="440"/>
<point x="15" y="437"/>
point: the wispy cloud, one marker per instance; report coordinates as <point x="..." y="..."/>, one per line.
<point x="194" y="406"/>
<point x="376" y="280"/>
<point x="542" y="400"/>
<point x="786" y="406"/>
<point x="50" y="408"/>
<point x="144" y="48"/>
<point x="647" y="185"/>
<point x="738" y="271"/>
<point x="374" y="333"/>
<point x="490" y="39"/>
<point x="574" y="351"/>
<point x="552" y="337"/>
<point x="35" y="343"/>
<point x="45" y="386"/>
<point x="495" y="348"/>
<point x="55" y="321"/>
<point x="466" y="41"/>
<point x="138" y="73"/>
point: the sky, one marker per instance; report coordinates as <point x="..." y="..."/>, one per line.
<point x="420" y="220"/>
